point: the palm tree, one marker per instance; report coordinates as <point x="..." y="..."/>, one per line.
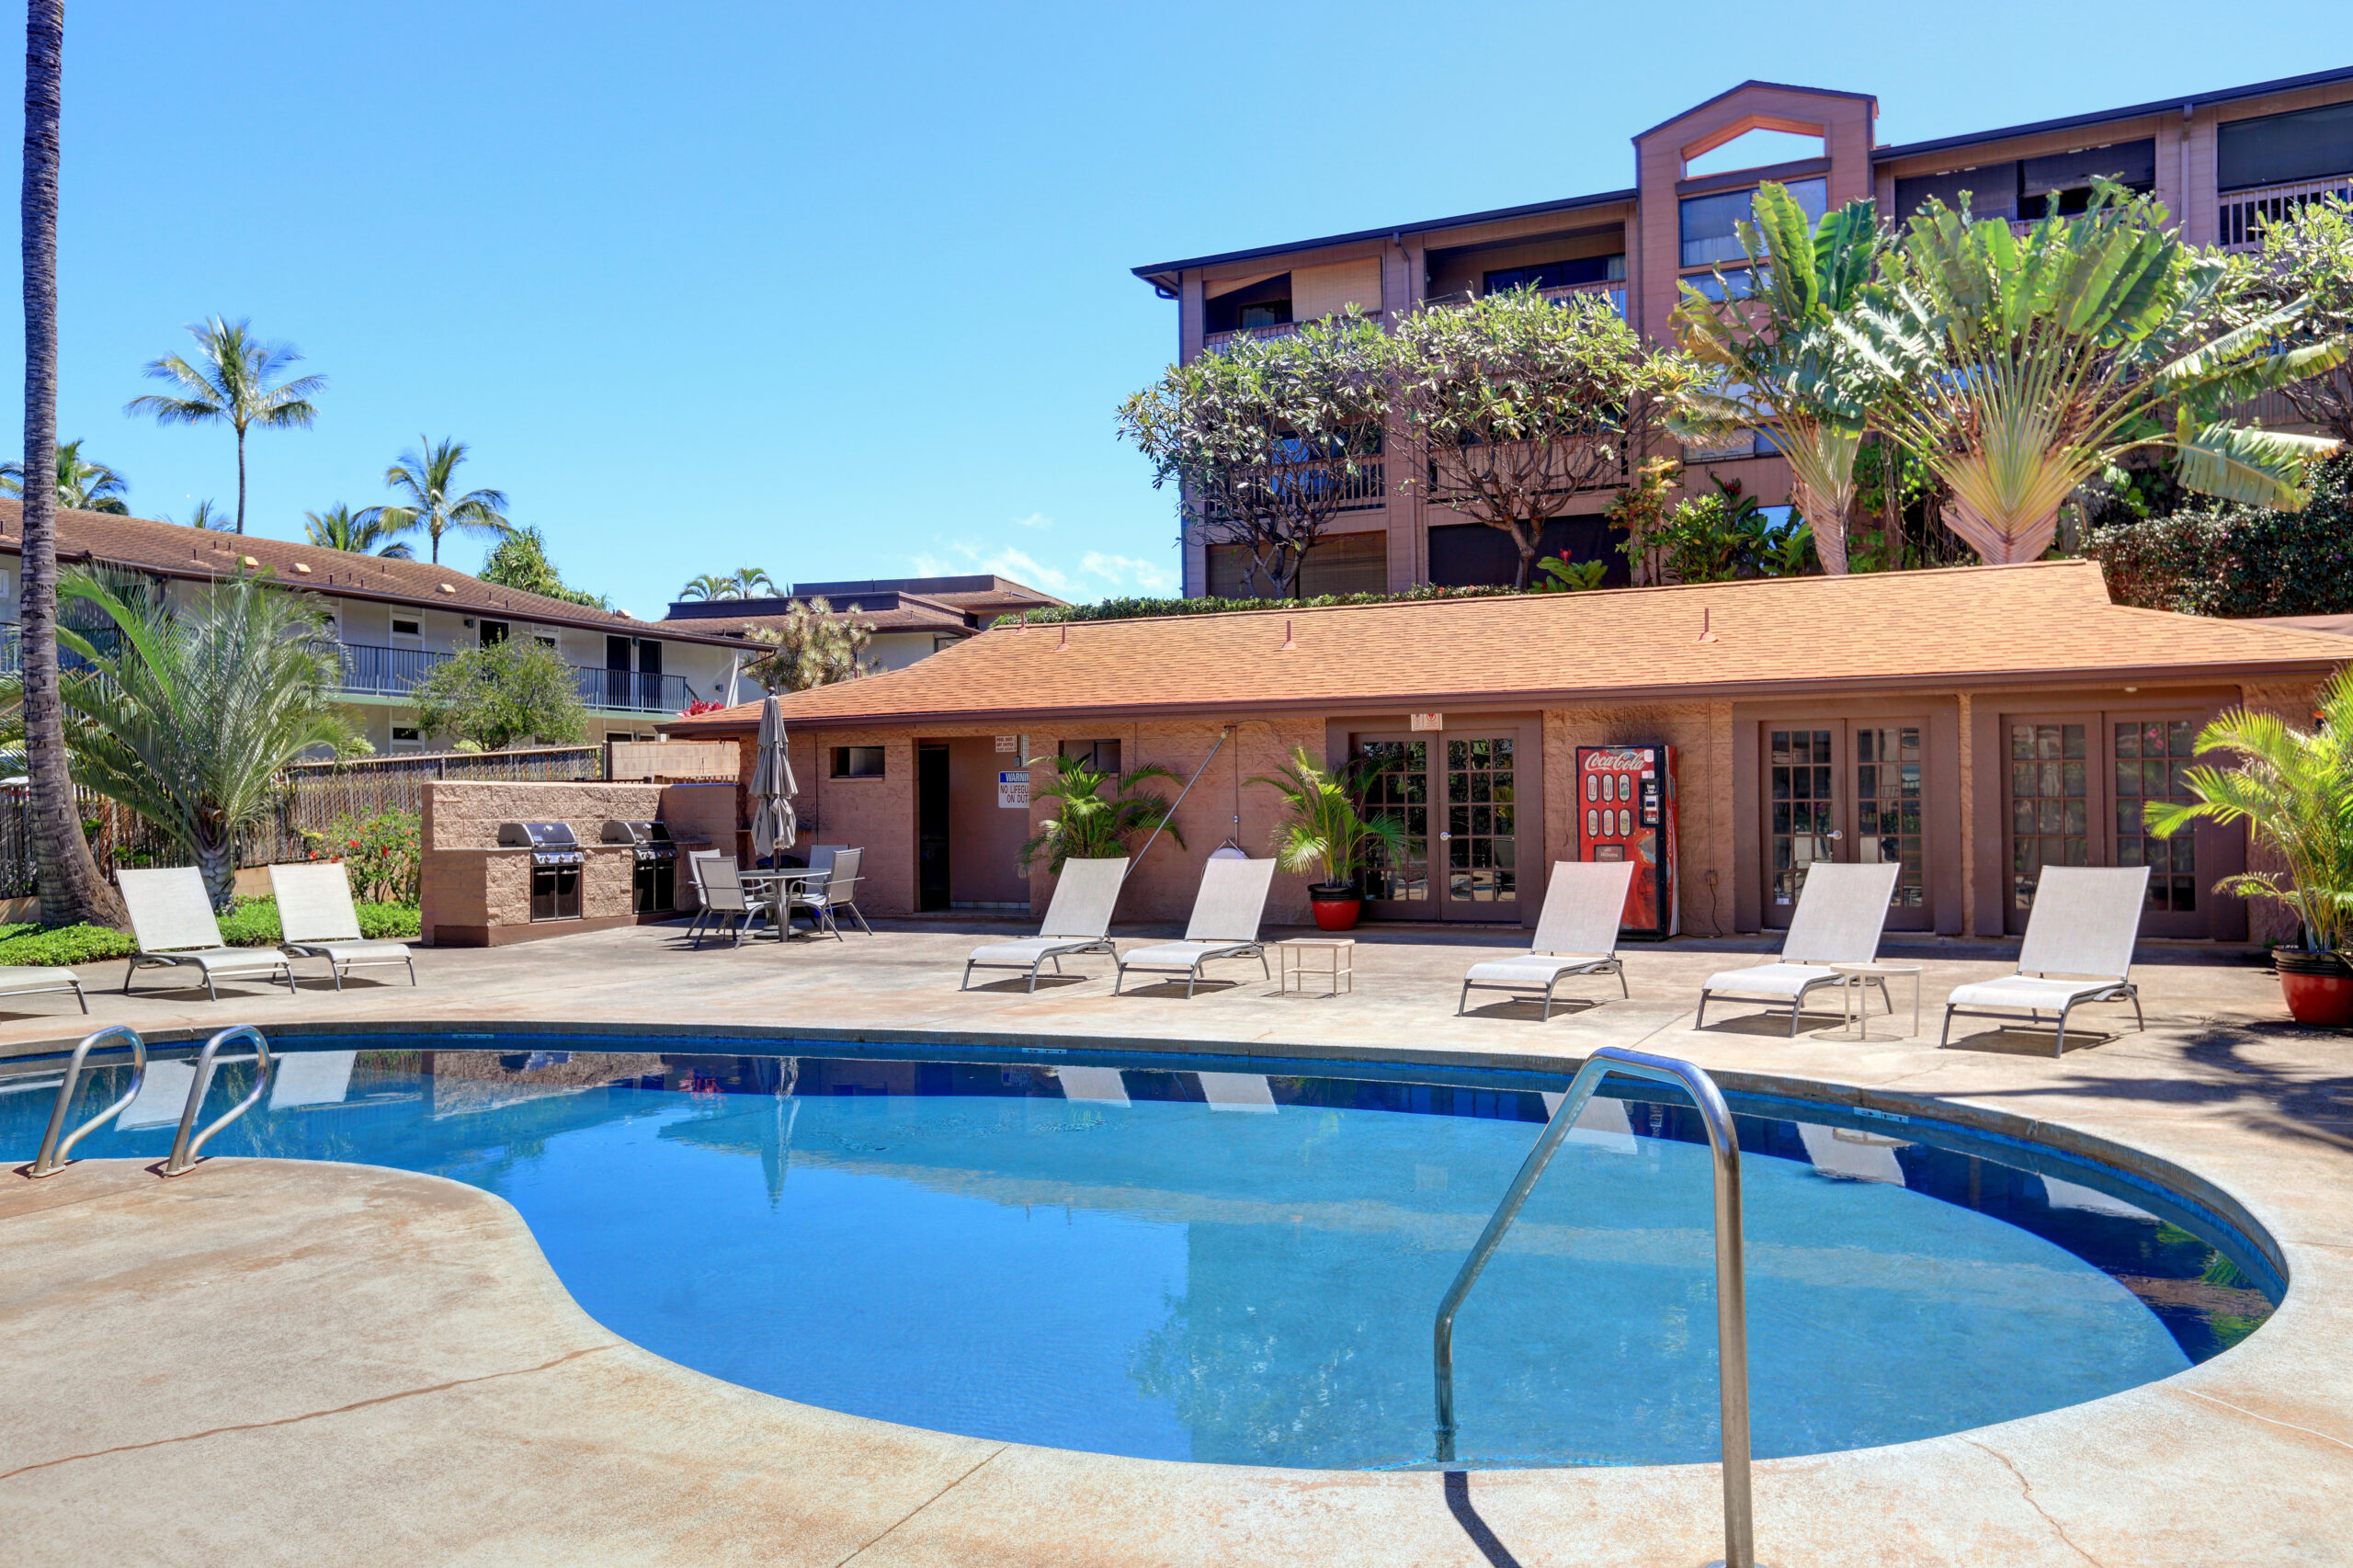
<point x="190" y="713"/>
<point x="364" y="532"/>
<point x="1088" y="824"/>
<point x="71" y="891"/>
<point x="2294" y="790"/>
<point x="2021" y="367"/>
<point x="427" y="475"/>
<point x="1779" y="363"/>
<point x="745" y="583"/>
<point x="232" y="385"/>
<point x="1322" y="827"/>
<point x="81" y="486"/>
<point x="207" y="516"/>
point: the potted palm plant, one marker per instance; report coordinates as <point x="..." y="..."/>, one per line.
<point x="1090" y="822"/>
<point x="2294" y="790"/>
<point x="1321" y="830"/>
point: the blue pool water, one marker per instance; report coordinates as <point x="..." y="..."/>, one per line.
<point x="1215" y="1265"/>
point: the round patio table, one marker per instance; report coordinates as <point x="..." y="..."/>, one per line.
<point x="778" y="895"/>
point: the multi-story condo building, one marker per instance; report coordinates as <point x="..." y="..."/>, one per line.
<point x="397" y="619"/>
<point x="912" y="618"/>
<point x="2221" y="161"/>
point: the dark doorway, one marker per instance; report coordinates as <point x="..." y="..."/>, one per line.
<point x="1472" y="555"/>
<point x="931" y="826"/>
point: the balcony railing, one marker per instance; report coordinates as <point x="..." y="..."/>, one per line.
<point x="2242" y="214"/>
<point x="1614" y="287"/>
<point x="394" y="672"/>
<point x="1217" y="340"/>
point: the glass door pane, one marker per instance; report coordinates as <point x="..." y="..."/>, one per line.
<point x="1803" y="813"/>
<point x="2151" y="756"/>
<point x="1481" y="834"/>
<point x="1887" y="812"/>
<point x="2050" y="805"/>
<point x="1397" y="786"/>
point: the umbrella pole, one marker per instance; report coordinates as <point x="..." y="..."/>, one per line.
<point x="1179" y="802"/>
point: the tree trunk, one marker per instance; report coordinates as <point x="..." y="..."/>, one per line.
<point x="1997" y="544"/>
<point x="1829" y="525"/>
<point x="218" y="860"/>
<point x="72" y="890"/>
<point x="1525" y="537"/>
<point x="241" y="479"/>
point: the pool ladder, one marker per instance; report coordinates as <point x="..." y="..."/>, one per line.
<point x="57" y="1145"/>
<point x="1731" y="1300"/>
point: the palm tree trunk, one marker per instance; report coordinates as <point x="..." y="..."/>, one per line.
<point x="1829" y="520"/>
<point x="72" y="890"/>
<point x="241" y="479"/>
<point x="217" y="858"/>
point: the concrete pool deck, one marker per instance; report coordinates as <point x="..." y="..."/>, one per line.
<point x="291" y="1362"/>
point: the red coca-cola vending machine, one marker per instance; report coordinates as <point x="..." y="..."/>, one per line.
<point x="1626" y="812"/>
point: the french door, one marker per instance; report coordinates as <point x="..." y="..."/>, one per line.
<point x="2076" y="789"/>
<point x="1846" y="790"/>
<point x="1458" y="797"/>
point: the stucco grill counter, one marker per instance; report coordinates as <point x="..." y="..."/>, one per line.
<point x="520" y="861"/>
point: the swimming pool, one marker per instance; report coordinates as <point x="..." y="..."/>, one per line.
<point x="1221" y="1260"/>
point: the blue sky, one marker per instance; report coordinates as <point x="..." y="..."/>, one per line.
<point x="843" y="291"/>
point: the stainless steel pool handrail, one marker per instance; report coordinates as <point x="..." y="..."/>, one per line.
<point x="55" y="1152"/>
<point x="1731" y="1297"/>
<point x="185" y="1149"/>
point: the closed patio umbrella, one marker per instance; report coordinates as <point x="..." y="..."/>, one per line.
<point x="774" y="825"/>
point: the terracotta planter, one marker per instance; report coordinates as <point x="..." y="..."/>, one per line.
<point x="1335" y="908"/>
<point x="2318" y="987"/>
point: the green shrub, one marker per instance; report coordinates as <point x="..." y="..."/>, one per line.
<point x="1150" y="610"/>
<point x="254" y="923"/>
<point x="2229" y="560"/>
<point x="381" y="855"/>
<point x="60" y="946"/>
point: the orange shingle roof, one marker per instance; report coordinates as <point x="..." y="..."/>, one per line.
<point x="173" y="549"/>
<point x="2047" y="619"/>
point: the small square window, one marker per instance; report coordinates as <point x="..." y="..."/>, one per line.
<point x="857" y="762"/>
<point x="1103" y="756"/>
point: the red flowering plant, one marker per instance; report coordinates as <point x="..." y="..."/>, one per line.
<point x="701" y="705"/>
<point x="383" y="854"/>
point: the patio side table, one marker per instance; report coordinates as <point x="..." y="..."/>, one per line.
<point x="1339" y="960"/>
<point x="1854" y="990"/>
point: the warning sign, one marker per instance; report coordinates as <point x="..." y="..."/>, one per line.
<point x="1013" y="790"/>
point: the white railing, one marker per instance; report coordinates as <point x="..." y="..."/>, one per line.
<point x="2242" y="214"/>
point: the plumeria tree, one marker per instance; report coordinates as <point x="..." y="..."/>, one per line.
<point x="1524" y="403"/>
<point x="1269" y="439"/>
<point x="2018" y="367"/>
<point x="814" y="646"/>
<point x="2307" y="254"/>
<point x="1774" y="360"/>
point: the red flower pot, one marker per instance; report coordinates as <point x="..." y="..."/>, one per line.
<point x="1335" y="908"/>
<point x="2318" y="987"/>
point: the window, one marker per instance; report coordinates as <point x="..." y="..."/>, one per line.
<point x="493" y="633"/>
<point x="1992" y="188"/>
<point x="408" y="737"/>
<point x="1103" y="756"/>
<point x="403" y="627"/>
<point x="543" y="637"/>
<point x="1738" y="283"/>
<point x="2070" y="175"/>
<point x="2149" y="756"/>
<point x="857" y="762"/>
<point x="1557" y="274"/>
<point x="2309" y="144"/>
<point x="1709" y="221"/>
<point x="1465" y="555"/>
<point x="1264" y="304"/>
<point x="1345" y="563"/>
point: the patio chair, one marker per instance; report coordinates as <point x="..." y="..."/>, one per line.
<point x="1841" y="910"/>
<point x="29" y="980"/>
<point x="2083" y="923"/>
<point x="725" y="905"/>
<point x="696" y="862"/>
<point x="171" y="920"/>
<point x="1078" y="920"/>
<point x="316" y="920"/>
<point x="1577" y="933"/>
<point x="825" y="901"/>
<point x="1226" y="912"/>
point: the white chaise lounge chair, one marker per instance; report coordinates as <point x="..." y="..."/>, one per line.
<point x="1226" y="912"/>
<point x="1078" y="920"/>
<point x="27" y="979"/>
<point x="317" y="920"/>
<point x="1577" y="933"/>
<point x="171" y="919"/>
<point x="2083" y="925"/>
<point x="1841" y="910"/>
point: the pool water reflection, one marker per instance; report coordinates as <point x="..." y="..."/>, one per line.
<point x="1218" y="1265"/>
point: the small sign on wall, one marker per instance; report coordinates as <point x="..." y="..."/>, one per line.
<point x="1013" y="790"/>
<point x="1428" y="722"/>
<point x="1009" y="744"/>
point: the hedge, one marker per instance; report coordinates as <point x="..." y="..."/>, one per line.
<point x="253" y="924"/>
<point x="2231" y="559"/>
<point x="1149" y="609"/>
